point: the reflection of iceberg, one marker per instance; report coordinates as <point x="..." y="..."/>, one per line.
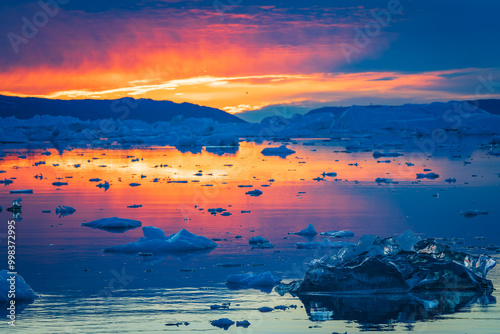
<point x="400" y="264"/>
<point x="281" y="151"/>
<point x="155" y="242"/>
<point x="389" y="308"/>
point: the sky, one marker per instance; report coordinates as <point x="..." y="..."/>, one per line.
<point x="252" y="55"/>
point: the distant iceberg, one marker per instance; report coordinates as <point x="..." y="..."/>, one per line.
<point x="113" y="224"/>
<point x="281" y="151"/>
<point x="155" y="241"/>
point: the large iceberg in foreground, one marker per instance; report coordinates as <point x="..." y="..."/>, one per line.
<point x="114" y="224"/>
<point x="398" y="265"/>
<point x="155" y="241"/>
<point x="24" y="293"/>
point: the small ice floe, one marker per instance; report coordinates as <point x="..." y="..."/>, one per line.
<point x="133" y="184"/>
<point x="134" y="206"/>
<point x="64" y="210"/>
<point x="24" y="294"/>
<point x="224" y="306"/>
<point x="450" y="180"/>
<point x="254" y="193"/>
<point x="430" y="176"/>
<point x="104" y="185"/>
<point x="22" y="191"/>
<point x="250" y="280"/>
<point x="325" y="244"/>
<point x="214" y="211"/>
<point x="308" y="231"/>
<point x="95" y="180"/>
<point x="244" y="323"/>
<point x="246" y="211"/>
<point x="260" y="242"/>
<point x="265" y="309"/>
<point x="331" y="174"/>
<point x="58" y="184"/>
<point x="281" y="151"/>
<point x="473" y="213"/>
<point x="177" y="181"/>
<point x="338" y="234"/>
<point x="403" y="264"/>
<point x="114" y="224"/>
<point x="177" y="324"/>
<point x="319" y="179"/>
<point x="155" y="241"/>
<point x="385" y="180"/>
<point x="409" y="164"/>
<point x="245" y="186"/>
<point x="77" y="165"/>
<point x="378" y="154"/>
<point x="226" y="213"/>
<point x="6" y="181"/>
<point x="223" y="323"/>
<point x="384" y="161"/>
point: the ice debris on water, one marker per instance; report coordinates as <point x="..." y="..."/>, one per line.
<point x="255" y="193"/>
<point x="104" y="185"/>
<point x="63" y="210"/>
<point x="223" y="323"/>
<point x="155" y="241"/>
<point x="260" y="242"/>
<point x="308" y="231"/>
<point x="113" y="223"/>
<point x="473" y="213"/>
<point x="430" y="176"/>
<point x="281" y="151"/>
<point x="244" y="323"/>
<point x="253" y="280"/>
<point x="338" y="234"/>
<point x="22" y="191"/>
<point x="403" y="264"/>
<point x="265" y="309"/>
<point x="378" y="154"/>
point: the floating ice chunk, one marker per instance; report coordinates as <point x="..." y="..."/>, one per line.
<point x="385" y="180"/>
<point x="253" y="280"/>
<point x="378" y="154"/>
<point x="255" y="193"/>
<point x="338" y="234"/>
<point x="155" y="241"/>
<point x="308" y="231"/>
<point x="22" y="191"/>
<point x="450" y="180"/>
<point x="325" y="244"/>
<point x="64" y="210"/>
<point x="260" y="242"/>
<point x="431" y="176"/>
<point x="6" y="181"/>
<point x="473" y="213"/>
<point x="407" y="241"/>
<point x="281" y="151"/>
<point x="24" y="293"/>
<point x="104" y="185"/>
<point x="134" y="206"/>
<point x="223" y="323"/>
<point x="244" y="323"/>
<point x="133" y="184"/>
<point x="331" y="174"/>
<point x="265" y="309"/>
<point x="95" y="180"/>
<point x="58" y="184"/>
<point x="113" y="223"/>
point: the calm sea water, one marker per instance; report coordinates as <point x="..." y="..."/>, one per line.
<point x="83" y="290"/>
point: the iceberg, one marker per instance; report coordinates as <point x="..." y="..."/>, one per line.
<point x="430" y="176"/>
<point x="260" y="242"/>
<point x="401" y="265"/>
<point x="254" y="193"/>
<point x="114" y="224"/>
<point x="281" y="151"/>
<point x="308" y="231"/>
<point x="265" y="279"/>
<point x="223" y="323"/>
<point x="64" y="210"/>
<point x="24" y="293"/>
<point x="155" y="241"/>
